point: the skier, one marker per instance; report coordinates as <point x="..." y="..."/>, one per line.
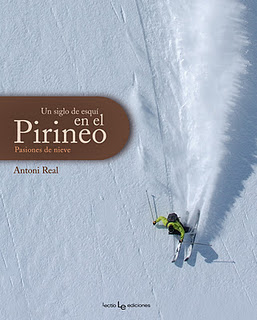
<point x="174" y="225"/>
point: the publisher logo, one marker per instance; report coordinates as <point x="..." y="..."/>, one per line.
<point x="123" y="306"/>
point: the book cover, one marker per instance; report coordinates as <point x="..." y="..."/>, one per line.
<point x="114" y="115"/>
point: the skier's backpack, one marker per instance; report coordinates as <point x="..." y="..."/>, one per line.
<point x="172" y="217"/>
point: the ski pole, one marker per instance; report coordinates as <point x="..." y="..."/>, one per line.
<point x="149" y="204"/>
<point x="203" y="244"/>
<point x="200" y="244"/>
<point x="154" y="204"/>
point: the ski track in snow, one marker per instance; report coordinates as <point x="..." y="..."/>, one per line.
<point x="115" y="11"/>
<point x="156" y="102"/>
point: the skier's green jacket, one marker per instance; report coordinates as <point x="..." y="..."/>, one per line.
<point x="176" y="225"/>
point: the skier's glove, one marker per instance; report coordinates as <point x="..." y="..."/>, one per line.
<point x="154" y="222"/>
<point x="181" y="240"/>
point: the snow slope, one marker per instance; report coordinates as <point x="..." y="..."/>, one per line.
<point x="73" y="242"/>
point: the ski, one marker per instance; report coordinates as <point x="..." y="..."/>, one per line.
<point x="180" y="243"/>
<point x="176" y="252"/>
<point x="193" y="236"/>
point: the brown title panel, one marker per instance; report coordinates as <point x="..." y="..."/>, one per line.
<point x="61" y="128"/>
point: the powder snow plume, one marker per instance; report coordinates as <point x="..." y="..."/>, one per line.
<point x="196" y="81"/>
